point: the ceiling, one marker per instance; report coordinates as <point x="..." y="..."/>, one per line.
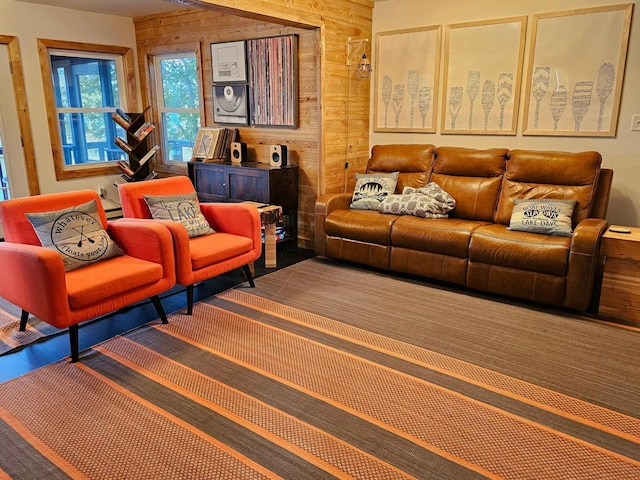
<point x="123" y="8"/>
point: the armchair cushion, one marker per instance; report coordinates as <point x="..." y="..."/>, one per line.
<point x="183" y="208"/>
<point x="76" y="233"/>
<point x="116" y="277"/>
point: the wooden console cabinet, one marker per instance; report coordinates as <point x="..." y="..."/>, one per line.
<point x="620" y="291"/>
<point x="257" y="182"/>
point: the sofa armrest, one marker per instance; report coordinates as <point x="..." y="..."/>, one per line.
<point x="584" y="261"/>
<point x="33" y="279"/>
<point x="325" y="204"/>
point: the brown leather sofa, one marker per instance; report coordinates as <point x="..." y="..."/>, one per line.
<point x="473" y="247"/>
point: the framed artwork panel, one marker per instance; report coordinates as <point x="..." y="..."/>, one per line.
<point x="230" y="104"/>
<point x="407" y="73"/>
<point x="483" y="76"/>
<point x="273" y="81"/>
<point x="229" y="61"/>
<point x="575" y="71"/>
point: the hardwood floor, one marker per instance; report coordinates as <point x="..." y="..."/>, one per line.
<point x="54" y="348"/>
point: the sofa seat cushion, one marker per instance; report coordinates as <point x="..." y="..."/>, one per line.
<point x="217" y="247"/>
<point x="363" y="225"/>
<point x="115" y="276"/>
<point x="447" y="236"/>
<point x="496" y="245"/>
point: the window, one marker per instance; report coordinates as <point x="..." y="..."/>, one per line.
<point x="4" y="179"/>
<point x="177" y="93"/>
<point x="87" y="83"/>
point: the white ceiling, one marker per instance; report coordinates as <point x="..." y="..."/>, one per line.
<point x="123" y="8"/>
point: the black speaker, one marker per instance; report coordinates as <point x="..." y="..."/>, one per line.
<point x="238" y="152"/>
<point x="278" y="155"/>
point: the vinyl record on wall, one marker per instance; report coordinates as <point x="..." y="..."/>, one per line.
<point x="230" y="104"/>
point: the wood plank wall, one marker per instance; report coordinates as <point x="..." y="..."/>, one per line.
<point x="320" y="145"/>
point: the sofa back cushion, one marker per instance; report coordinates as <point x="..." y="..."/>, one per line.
<point x="555" y="175"/>
<point x="472" y="177"/>
<point x="413" y="162"/>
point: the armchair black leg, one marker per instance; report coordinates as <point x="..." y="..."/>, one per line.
<point x="73" y="340"/>
<point x="156" y="303"/>
<point x="247" y="273"/>
<point x="189" y="299"/>
<point x="23" y="320"/>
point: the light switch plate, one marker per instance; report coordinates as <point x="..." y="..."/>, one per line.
<point x="635" y="123"/>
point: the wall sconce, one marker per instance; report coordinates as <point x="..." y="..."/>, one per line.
<point x="363" y="67"/>
<point x="363" y="70"/>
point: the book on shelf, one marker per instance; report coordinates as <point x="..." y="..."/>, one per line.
<point x="125" y="167"/>
<point x="123" y="145"/>
<point x="147" y="155"/>
<point x="144" y="130"/>
<point x="124" y="178"/>
<point x="120" y="120"/>
<point x="124" y="115"/>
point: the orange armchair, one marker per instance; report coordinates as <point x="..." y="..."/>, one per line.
<point x="36" y="280"/>
<point x="236" y="242"/>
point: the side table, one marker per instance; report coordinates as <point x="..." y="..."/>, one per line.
<point x="270" y="215"/>
<point x="620" y="292"/>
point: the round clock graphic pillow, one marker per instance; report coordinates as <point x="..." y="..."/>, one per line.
<point x="76" y="233"/>
<point x="80" y="236"/>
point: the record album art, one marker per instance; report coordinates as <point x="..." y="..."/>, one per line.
<point x="229" y="62"/>
<point x="230" y="104"/>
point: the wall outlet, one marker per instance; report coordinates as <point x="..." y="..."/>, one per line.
<point x="102" y="192"/>
<point x="635" y="123"/>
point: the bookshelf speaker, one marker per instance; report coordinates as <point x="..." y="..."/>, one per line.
<point x="278" y="155"/>
<point x="238" y="152"/>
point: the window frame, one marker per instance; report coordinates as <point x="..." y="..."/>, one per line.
<point x="19" y="90"/>
<point x="45" y="46"/>
<point x="160" y="163"/>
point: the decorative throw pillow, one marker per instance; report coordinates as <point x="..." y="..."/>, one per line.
<point x="371" y="189"/>
<point x="182" y="208"/>
<point x="542" y="215"/>
<point x="430" y="201"/>
<point x="76" y="233"/>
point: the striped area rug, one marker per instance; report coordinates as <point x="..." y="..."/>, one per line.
<point x="330" y="371"/>
<point x="11" y="337"/>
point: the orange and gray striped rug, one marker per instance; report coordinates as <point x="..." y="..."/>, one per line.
<point x="331" y="371"/>
<point x="11" y="338"/>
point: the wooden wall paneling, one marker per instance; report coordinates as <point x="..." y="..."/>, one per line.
<point x="320" y="145"/>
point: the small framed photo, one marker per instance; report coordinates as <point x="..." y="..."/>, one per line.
<point x="229" y="62"/>
<point x="230" y="104"/>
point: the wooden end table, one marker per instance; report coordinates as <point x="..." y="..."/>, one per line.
<point x="620" y="292"/>
<point x="270" y="215"/>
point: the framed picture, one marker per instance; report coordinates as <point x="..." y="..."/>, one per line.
<point x="230" y="104"/>
<point x="205" y="144"/>
<point x="483" y="74"/>
<point x="228" y="62"/>
<point x="273" y="81"/>
<point x="574" y="73"/>
<point x="406" y="82"/>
